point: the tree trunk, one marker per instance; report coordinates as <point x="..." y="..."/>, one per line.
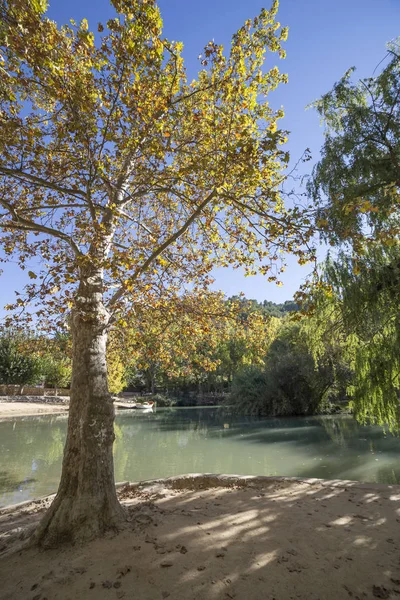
<point x="86" y="503"/>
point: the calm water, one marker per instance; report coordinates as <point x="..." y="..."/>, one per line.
<point x="194" y="440"/>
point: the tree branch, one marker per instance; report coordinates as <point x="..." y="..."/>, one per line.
<point x="23" y="176"/>
<point x="118" y="295"/>
<point x="26" y="225"/>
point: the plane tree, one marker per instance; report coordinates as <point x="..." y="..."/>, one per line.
<point x="124" y="181"/>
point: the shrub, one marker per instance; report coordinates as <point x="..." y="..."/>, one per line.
<point x="163" y="401"/>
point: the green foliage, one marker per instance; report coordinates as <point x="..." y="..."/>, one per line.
<point x="41" y="359"/>
<point x="16" y="368"/>
<point x="249" y="392"/>
<point x="364" y="313"/>
<point x="266" y="307"/>
<point x="55" y="372"/>
<point x="290" y="383"/>
<point x="279" y="310"/>
<point x="356" y="183"/>
<point x="356" y="186"/>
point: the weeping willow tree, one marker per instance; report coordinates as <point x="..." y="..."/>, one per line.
<point x="357" y="312"/>
<point x="356" y="184"/>
<point x="356" y="189"/>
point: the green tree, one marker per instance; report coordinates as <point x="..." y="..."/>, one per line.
<point x="357" y="181"/>
<point x="290" y="383"/>
<point x="356" y="186"/>
<point x="16" y="368"/>
<point x="360" y="316"/>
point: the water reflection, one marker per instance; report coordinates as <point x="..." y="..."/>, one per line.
<point x="175" y="441"/>
<point x="31" y="451"/>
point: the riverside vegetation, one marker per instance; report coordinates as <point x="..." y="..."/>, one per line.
<point x="260" y="364"/>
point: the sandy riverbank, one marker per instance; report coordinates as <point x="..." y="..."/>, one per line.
<point x="211" y="538"/>
<point x="23" y="409"/>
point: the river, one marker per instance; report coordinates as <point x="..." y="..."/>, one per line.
<point x="198" y="440"/>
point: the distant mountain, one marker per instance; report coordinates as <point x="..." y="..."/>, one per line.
<point x="267" y="307"/>
<point x="278" y="310"/>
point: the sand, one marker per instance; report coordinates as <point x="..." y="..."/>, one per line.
<point x="22" y="409"/>
<point x="213" y="537"/>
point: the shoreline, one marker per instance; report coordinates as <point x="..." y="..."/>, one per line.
<point x="200" y="481"/>
<point x="206" y="537"/>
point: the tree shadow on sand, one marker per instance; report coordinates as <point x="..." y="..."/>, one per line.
<point x="273" y="539"/>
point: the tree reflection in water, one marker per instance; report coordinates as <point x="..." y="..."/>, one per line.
<point x="197" y="440"/>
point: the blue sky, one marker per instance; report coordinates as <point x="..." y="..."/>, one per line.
<point x="326" y="37"/>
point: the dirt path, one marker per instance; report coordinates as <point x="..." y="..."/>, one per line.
<point x="22" y="409"/>
<point x="248" y="538"/>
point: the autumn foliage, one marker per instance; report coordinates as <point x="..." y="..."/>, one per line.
<point x="111" y="155"/>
